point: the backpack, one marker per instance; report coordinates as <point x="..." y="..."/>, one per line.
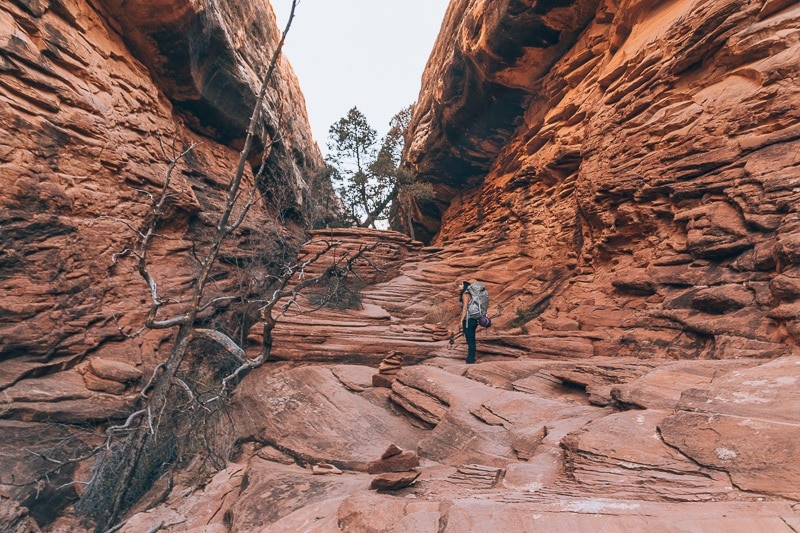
<point x="480" y="300"/>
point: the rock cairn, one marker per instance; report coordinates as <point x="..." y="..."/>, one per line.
<point x="439" y="332"/>
<point x="387" y="370"/>
<point x="396" y="469"/>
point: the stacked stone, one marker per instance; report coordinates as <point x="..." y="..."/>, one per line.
<point x="439" y="332"/>
<point x="387" y="370"/>
<point x="396" y="469"/>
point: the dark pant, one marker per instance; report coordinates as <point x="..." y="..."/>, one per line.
<point x="470" y="325"/>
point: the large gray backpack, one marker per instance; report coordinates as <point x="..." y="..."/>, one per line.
<point x="480" y="300"/>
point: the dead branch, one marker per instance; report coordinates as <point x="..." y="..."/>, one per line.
<point x="42" y="456"/>
<point x="143" y="392"/>
<point x="222" y="340"/>
<point x="124" y="222"/>
<point x="247" y="365"/>
<point x="252" y="198"/>
<point x="146" y="236"/>
<point x="368" y="260"/>
<point x="147" y="193"/>
<point x="280" y="293"/>
<point x="188" y="390"/>
<point x="117" y="255"/>
<point x="298" y="270"/>
<point x="133" y="416"/>
<point x="222" y="226"/>
<point x="216" y="301"/>
<point x="166" y="324"/>
<point x="126" y="335"/>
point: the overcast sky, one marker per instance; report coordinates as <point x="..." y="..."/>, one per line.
<point x="364" y="53"/>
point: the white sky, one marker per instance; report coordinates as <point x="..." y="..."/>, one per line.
<point x="364" y="53"/>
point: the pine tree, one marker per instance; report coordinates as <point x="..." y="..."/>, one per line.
<point x="351" y="141"/>
<point x="368" y="181"/>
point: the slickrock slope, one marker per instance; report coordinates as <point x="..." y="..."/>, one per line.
<point x="542" y="458"/>
<point x="540" y="434"/>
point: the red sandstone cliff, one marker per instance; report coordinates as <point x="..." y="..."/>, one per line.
<point x="642" y="176"/>
<point x="95" y="98"/>
<point x="94" y="102"/>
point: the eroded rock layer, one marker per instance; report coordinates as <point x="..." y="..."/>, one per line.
<point x="646" y="186"/>
<point x="502" y="443"/>
<point x="619" y="174"/>
<point x="88" y="135"/>
<point x="96" y="99"/>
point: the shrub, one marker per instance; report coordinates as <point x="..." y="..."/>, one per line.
<point x="441" y="313"/>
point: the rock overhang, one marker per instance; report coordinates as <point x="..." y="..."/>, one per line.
<point x="483" y="73"/>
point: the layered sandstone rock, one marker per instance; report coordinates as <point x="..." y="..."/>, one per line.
<point x="95" y="100"/>
<point x="501" y="457"/>
<point x="89" y="133"/>
<point x="641" y="188"/>
<point x="484" y="70"/>
<point x="387" y="370"/>
<point x="282" y="407"/>
<point x="573" y="439"/>
<point x="396" y="469"/>
<point x="620" y="176"/>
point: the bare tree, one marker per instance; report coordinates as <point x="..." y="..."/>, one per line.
<point x="129" y="465"/>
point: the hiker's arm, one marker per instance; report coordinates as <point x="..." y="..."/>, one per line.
<point x="465" y="299"/>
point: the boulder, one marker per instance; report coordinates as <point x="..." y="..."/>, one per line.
<point x="114" y="370"/>
<point x="382" y="380"/>
<point x="96" y="383"/>
<point x="744" y="423"/>
<point x="309" y="413"/>
<point x="322" y="469"/>
<point x="661" y="388"/>
<point x="391" y="451"/>
<point x="622" y="455"/>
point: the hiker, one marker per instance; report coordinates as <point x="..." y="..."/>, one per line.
<point x="474" y="300"/>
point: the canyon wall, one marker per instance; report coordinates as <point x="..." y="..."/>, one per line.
<point x="639" y="157"/>
<point x="96" y="99"/>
